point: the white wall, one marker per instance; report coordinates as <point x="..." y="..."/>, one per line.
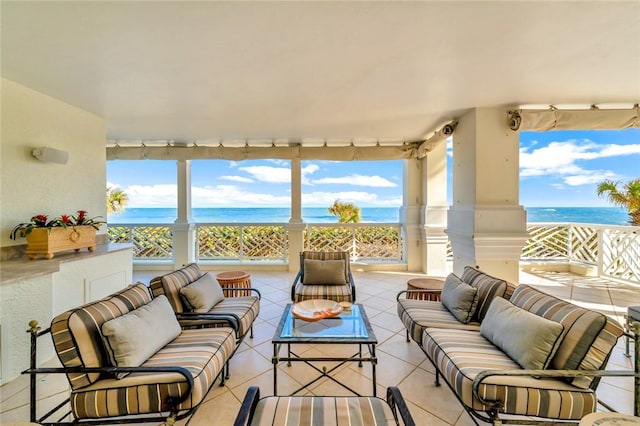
<point x="29" y="186"/>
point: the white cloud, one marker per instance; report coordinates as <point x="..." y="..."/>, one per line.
<point x="357" y="180"/>
<point x="358" y="197"/>
<point x="231" y="195"/>
<point x="268" y="174"/>
<point x="559" y="158"/>
<point x="241" y="179"/>
<point x="152" y="195"/>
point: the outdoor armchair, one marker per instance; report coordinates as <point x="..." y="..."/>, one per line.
<point x="324" y="275"/>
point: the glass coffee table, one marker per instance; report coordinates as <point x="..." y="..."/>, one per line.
<point x="351" y="327"/>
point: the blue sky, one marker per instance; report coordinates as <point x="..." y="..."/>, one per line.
<point x="557" y="169"/>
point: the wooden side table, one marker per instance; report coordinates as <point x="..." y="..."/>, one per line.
<point x="235" y="279"/>
<point x="431" y="288"/>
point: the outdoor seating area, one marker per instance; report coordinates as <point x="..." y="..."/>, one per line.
<point x="400" y="363"/>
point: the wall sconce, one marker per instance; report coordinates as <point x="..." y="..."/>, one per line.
<point x="51" y="155"/>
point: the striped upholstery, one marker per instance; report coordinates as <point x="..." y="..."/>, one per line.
<point x="416" y="315"/>
<point x="77" y="337"/>
<point x="171" y="283"/>
<point x="203" y="352"/>
<point x="588" y="336"/>
<point x="461" y="354"/>
<point x="488" y="287"/>
<point x="337" y="293"/>
<point x="323" y="410"/>
<point x="246" y="308"/>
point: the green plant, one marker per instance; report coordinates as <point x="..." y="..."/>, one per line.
<point x="346" y="212"/>
<point x="627" y="196"/>
<point x="42" y="221"/>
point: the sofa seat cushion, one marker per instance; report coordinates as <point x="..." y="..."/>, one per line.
<point x="77" y="336"/>
<point x="245" y="308"/>
<point x="337" y="293"/>
<point x="324" y="410"/>
<point x="202" y="351"/>
<point x="416" y="315"/>
<point x="461" y="354"/>
<point x="587" y="338"/>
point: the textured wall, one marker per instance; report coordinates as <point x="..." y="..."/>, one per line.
<point x="29" y="186"/>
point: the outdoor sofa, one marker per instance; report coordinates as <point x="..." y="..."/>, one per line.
<point x="127" y="359"/>
<point x="512" y="350"/>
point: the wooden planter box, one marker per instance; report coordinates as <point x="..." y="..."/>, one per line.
<point x="49" y="241"/>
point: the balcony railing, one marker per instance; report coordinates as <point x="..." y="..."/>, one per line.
<point x="615" y="250"/>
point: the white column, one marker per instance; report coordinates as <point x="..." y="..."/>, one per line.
<point x="295" y="228"/>
<point x="486" y="225"/>
<point x="184" y="227"/>
<point x="434" y="218"/>
<point x="410" y="214"/>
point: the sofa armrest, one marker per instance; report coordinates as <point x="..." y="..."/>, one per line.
<point x="400" y="293"/>
<point x="293" y="286"/>
<point x="248" y="406"/>
<point x="398" y="405"/>
<point x="230" y="319"/>
<point x="253" y="290"/>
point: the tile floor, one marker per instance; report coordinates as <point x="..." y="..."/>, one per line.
<point x="399" y="363"/>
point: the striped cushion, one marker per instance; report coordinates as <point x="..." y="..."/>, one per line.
<point x="337" y="293"/>
<point x="416" y="315"/>
<point x="203" y="352"/>
<point x="246" y="308"/>
<point x="488" y="288"/>
<point x="76" y="333"/>
<point x="325" y="255"/>
<point x="323" y="410"/>
<point x="170" y="284"/>
<point x="588" y="336"/>
<point x="461" y="354"/>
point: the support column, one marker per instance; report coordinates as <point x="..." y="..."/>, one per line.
<point x="485" y="224"/>
<point x="296" y="227"/>
<point x="184" y="227"/>
<point x="434" y="217"/>
<point x="410" y="214"/>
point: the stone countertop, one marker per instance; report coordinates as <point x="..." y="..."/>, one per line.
<point x="21" y="269"/>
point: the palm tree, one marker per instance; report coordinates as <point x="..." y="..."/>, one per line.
<point x="117" y="200"/>
<point x="628" y="197"/>
<point x="346" y="212"/>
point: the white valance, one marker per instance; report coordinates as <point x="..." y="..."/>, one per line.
<point x="220" y="152"/>
<point x="586" y="119"/>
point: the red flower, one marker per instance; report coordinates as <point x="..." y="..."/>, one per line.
<point x="39" y="219"/>
<point x="66" y="219"/>
<point x="82" y="214"/>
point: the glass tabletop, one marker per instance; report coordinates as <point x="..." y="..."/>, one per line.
<point x="351" y="326"/>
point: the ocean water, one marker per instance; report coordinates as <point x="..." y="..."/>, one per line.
<point x="594" y="215"/>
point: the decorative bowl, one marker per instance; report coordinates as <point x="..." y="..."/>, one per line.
<point x="315" y="309"/>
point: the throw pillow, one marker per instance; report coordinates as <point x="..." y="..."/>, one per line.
<point x="203" y="294"/>
<point x="324" y="272"/>
<point x="132" y="338"/>
<point x="459" y="298"/>
<point x="528" y="339"/>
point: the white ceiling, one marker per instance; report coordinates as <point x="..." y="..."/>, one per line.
<point x="337" y="70"/>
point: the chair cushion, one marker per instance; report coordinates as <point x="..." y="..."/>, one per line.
<point x="77" y="335"/>
<point x="322" y="410"/>
<point x="459" y="298"/>
<point x="461" y="354"/>
<point x="337" y="293"/>
<point x="325" y="255"/>
<point x="202" y="294"/>
<point x="202" y="351"/>
<point x="171" y="283"/>
<point x="528" y="339"/>
<point x="489" y="288"/>
<point x="246" y="309"/>
<point x="326" y="272"/>
<point x="588" y="336"/>
<point x="132" y="338"/>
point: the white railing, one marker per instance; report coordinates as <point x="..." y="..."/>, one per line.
<point x="615" y="250"/>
